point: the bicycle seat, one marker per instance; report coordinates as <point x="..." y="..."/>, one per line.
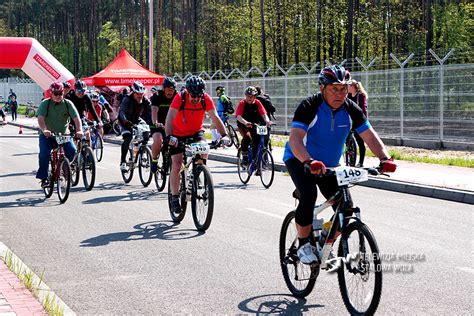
<point x="296" y="194"/>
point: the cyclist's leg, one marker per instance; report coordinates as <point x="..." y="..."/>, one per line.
<point x="157" y="135"/>
<point x="70" y="150"/>
<point x="244" y="144"/>
<point x="176" y="162"/>
<point x="361" y="145"/>
<point x="45" y="147"/>
<point x="255" y="139"/>
<point x="127" y="138"/>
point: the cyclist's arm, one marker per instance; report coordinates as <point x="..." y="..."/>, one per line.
<point x="42" y="123"/>
<point x="217" y="122"/>
<point x="297" y="145"/>
<point x="372" y="139"/>
<point x="154" y="115"/>
<point x="169" y="120"/>
<point x="77" y="124"/>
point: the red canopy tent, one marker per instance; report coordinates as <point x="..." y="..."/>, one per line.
<point x="123" y="71"/>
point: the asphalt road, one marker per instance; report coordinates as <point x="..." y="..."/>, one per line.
<point x="114" y="250"/>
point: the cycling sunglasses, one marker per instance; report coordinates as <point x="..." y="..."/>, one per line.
<point x="192" y="95"/>
<point x="57" y="93"/>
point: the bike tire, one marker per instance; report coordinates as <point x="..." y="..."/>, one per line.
<point x="244" y="175"/>
<point x="48" y="191"/>
<point x="64" y="180"/>
<point x="161" y="173"/>
<point x="267" y="168"/>
<point x="233" y="136"/>
<point x="351" y="151"/>
<point x="127" y="175"/>
<point x="99" y="148"/>
<point x="88" y="168"/>
<point x="368" y="272"/>
<point x="300" y="278"/>
<point x="202" y="201"/>
<point x="75" y="170"/>
<point x="178" y="217"/>
<point x="144" y="165"/>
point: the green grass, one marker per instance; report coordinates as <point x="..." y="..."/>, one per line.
<point x="455" y="161"/>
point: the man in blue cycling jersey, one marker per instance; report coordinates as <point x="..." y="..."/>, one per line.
<point x="319" y="129"/>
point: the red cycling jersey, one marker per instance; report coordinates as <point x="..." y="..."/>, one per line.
<point x="189" y="120"/>
<point x="98" y="110"/>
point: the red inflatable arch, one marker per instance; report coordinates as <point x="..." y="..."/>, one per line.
<point x="29" y="55"/>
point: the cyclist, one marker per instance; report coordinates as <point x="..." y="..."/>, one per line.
<point x="160" y="104"/>
<point x="98" y="107"/>
<point x="83" y="103"/>
<point x="184" y="121"/>
<point x="358" y="94"/>
<point x="54" y="117"/>
<point x="319" y="129"/>
<point x="67" y="89"/>
<point x="224" y="108"/>
<point x="250" y="111"/>
<point x="131" y="108"/>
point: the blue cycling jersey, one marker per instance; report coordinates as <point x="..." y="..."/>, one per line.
<point x="326" y="129"/>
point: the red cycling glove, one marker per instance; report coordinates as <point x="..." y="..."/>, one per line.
<point x="314" y="166"/>
<point x="387" y="165"/>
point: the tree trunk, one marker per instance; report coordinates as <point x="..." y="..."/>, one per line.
<point x="349" y="35"/>
<point x="263" y="37"/>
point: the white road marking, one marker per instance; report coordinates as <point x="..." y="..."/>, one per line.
<point x="100" y="167"/>
<point x="466" y="269"/>
<point x="264" y="213"/>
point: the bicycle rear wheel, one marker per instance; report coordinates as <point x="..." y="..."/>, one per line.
<point x="351" y="151"/>
<point x="267" y="168"/>
<point x="144" y="165"/>
<point x="161" y="173"/>
<point x="300" y="278"/>
<point x="127" y="174"/>
<point x="244" y="175"/>
<point x="233" y="136"/>
<point x="99" y="148"/>
<point x="178" y="217"/>
<point x="75" y="170"/>
<point x="88" y="168"/>
<point x="360" y="278"/>
<point x="48" y="191"/>
<point x="202" y="202"/>
<point x="64" y="180"/>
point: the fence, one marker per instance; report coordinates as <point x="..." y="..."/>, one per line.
<point x="431" y="103"/>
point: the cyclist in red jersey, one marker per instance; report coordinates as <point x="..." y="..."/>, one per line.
<point x="184" y="121"/>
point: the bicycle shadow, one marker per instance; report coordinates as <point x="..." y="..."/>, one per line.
<point x="25" y="202"/>
<point x="25" y="154"/>
<point x="164" y="230"/>
<point x="276" y="304"/>
<point x="152" y="195"/>
<point x="18" y="174"/>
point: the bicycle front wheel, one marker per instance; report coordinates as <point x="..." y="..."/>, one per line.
<point x="64" y="180"/>
<point x="244" y="175"/>
<point x="202" y="202"/>
<point x="360" y="277"/>
<point x="99" y="148"/>
<point x="144" y="165"/>
<point x="178" y="217"/>
<point x="351" y="152"/>
<point x="233" y="136"/>
<point x="300" y="278"/>
<point x="161" y="173"/>
<point x="88" y="168"/>
<point x="48" y="191"/>
<point x="75" y="170"/>
<point x="267" y="168"/>
<point x="127" y="174"/>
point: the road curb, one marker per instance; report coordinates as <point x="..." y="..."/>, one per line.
<point x="377" y="183"/>
<point x="44" y="290"/>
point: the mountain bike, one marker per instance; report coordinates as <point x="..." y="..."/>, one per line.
<point x="196" y="185"/>
<point x="139" y="155"/>
<point x="30" y="110"/>
<point x="231" y="132"/>
<point x="350" y="151"/>
<point x="358" y="265"/>
<point x="83" y="161"/>
<point x="164" y="168"/>
<point x="97" y="142"/>
<point x="60" y="172"/>
<point x="262" y="163"/>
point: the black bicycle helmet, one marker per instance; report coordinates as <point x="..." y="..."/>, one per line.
<point x="220" y="89"/>
<point x="251" y="90"/>
<point x="66" y="85"/>
<point x="138" y="87"/>
<point x="334" y="75"/>
<point x="169" y="83"/>
<point x="80" y="85"/>
<point x="195" y="85"/>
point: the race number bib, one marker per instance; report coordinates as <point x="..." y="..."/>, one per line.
<point x="200" y="148"/>
<point x="346" y="175"/>
<point x="261" y="130"/>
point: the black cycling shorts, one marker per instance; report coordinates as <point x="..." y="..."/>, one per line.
<point x="198" y="137"/>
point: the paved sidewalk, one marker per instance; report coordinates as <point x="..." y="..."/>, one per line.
<point x="15" y="299"/>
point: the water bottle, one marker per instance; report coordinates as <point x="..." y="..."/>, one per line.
<point x="324" y="233"/>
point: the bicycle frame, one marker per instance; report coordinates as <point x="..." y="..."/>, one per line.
<point x="255" y="161"/>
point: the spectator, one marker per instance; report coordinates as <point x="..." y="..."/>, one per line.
<point x="14" y="107"/>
